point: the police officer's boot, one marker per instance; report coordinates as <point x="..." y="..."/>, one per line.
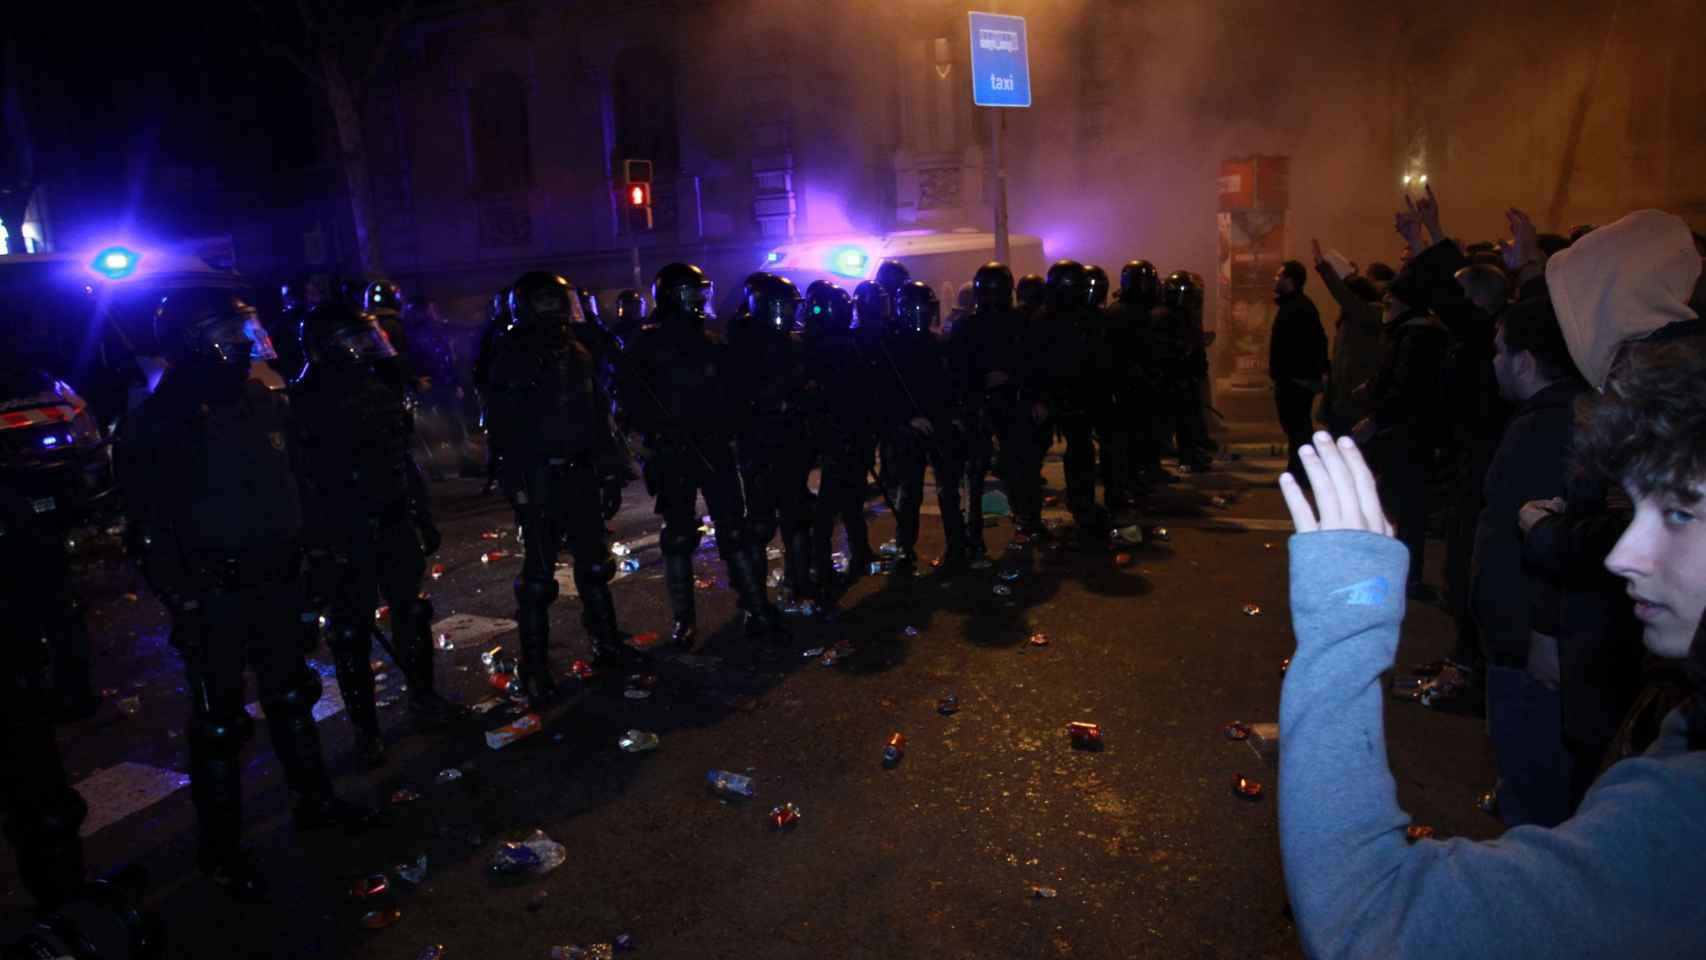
<point x="350" y="650"/>
<point x="44" y="837"/>
<point x="759" y="616"/>
<point x="598" y="615"/>
<point x="678" y="583"/>
<point x="217" y="790"/>
<point x="797" y="565"/>
<point x="411" y="631"/>
<point x="296" y="743"/>
<point x="534" y="634"/>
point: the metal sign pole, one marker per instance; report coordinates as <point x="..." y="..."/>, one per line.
<point x="998" y="120"/>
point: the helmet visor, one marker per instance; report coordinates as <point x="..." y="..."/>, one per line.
<point x="240" y="340"/>
<point x="363" y="344"/>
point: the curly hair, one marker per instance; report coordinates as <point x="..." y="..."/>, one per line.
<point x="1648" y="429"/>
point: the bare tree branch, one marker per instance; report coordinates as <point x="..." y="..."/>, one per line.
<point x="283" y="50"/>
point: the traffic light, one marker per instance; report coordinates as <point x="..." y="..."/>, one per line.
<point x="637" y="193"/>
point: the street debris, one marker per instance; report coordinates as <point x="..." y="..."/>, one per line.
<point x="1252" y="610"/>
<point x="380" y="919"/>
<point x="1085" y="735"/>
<point x="437" y="571"/>
<point x="524" y="726"/>
<point x="894" y="749"/>
<point x="1245" y="788"/>
<point x="493" y="555"/>
<point x="726" y="784"/>
<point x="1122" y="559"/>
<point x="129" y="705"/>
<point x="637" y="741"/>
<point x="538" y="854"/>
<point x="1038" y="639"/>
<point x="1003" y="590"/>
<point x="413" y="872"/>
<point x="1416" y="831"/>
<point x="433" y="951"/>
<point x="1130" y="533"/>
<point x="948" y="705"/>
<point x="369" y="886"/>
<point x="1044" y="893"/>
<point x="1161" y="534"/>
<point x="404" y="795"/>
<point x="635" y="694"/>
<point x="784" y="817"/>
<point x="1009" y="575"/>
<point x="1236" y="730"/>
<point x="448" y="775"/>
<point x="581" y="669"/>
<point x="909" y="631"/>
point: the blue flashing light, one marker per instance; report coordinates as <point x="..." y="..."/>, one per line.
<point x="773" y="256"/>
<point x="115" y="263"/>
<point x="848" y="261"/>
<point x="49" y="440"/>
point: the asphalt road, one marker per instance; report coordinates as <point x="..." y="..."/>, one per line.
<point x="1145" y="848"/>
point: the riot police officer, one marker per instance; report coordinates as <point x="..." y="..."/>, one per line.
<point x="1183" y="359"/>
<point x="676" y="392"/>
<point x="1031" y="291"/>
<point x="992" y="368"/>
<point x="215" y="515"/>
<point x="356" y="434"/>
<point x="839" y="413"/>
<point x="1136" y="458"/>
<point x="922" y="421"/>
<point x="433" y="355"/>
<point x="775" y="445"/>
<point x="383" y="300"/>
<point x="296" y="298"/>
<point x="1095" y="287"/>
<point x="562" y="469"/>
<point x="497" y="320"/>
<point x="1073" y="355"/>
<point x="891" y="275"/>
<point x="630" y="316"/>
<point x="42" y="810"/>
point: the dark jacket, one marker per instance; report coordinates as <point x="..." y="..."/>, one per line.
<point x="1356" y="354"/>
<point x="1408" y="392"/>
<point x="545" y="402"/>
<point x="355" y="436"/>
<point x="1297" y="349"/>
<point x="914" y="379"/>
<point x="1530" y="464"/>
<point x="678" y="384"/>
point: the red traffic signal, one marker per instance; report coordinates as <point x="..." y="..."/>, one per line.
<point x="639" y="194"/>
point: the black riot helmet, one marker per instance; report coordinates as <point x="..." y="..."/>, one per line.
<point x="1096" y="287"/>
<point x="828" y="309"/>
<point x="681" y="293"/>
<point x="543" y="303"/>
<point x="293" y="294"/>
<point x="630" y="307"/>
<point x="1181" y="289"/>
<point x="1030" y="291"/>
<point x="916" y="308"/>
<point x="871" y="305"/>
<point x="772" y="302"/>
<point x="337" y="334"/>
<point x="891" y="275"/>
<point x="992" y="286"/>
<point x="589" y="307"/>
<point x="381" y="297"/>
<point x="1139" y="283"/>
<point x="1066" y="283"/>
<point x="210" y="326"/>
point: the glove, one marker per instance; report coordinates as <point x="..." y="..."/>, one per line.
<point x="610" y="495"/>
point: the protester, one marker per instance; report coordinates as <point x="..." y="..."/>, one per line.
<point x="1297" y="357"/>
<point x="1356" y="345"/>
<point x="1619" y="878"/>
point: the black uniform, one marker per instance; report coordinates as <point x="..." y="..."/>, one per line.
<point x="775" y="442"/>
<point x="922" y="420"/>
<point x="42" y="811"/>
<point x="562" y="469"/>
<point x="839" y="416"/>
<point x="374" y="520"/>
<point x="676" y="389"/>
<point x="1075" y="360"/>
<point x="215" y="521"/>
<point x="994" y="373"/>
<point x="1181" y="362"/>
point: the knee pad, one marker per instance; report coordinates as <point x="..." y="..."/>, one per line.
<point x="530" y="592"/>
<point x="673" y="542"/>
<point x="223" y="735"/>
<point x="299" y="697"/>
<point x="602" y="569"/>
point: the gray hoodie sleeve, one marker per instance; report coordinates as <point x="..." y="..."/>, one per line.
<point x="1620" y="879"/>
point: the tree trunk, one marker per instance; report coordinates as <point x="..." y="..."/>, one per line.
<point x="352" y="150"/>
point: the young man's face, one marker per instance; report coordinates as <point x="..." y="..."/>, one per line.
<point x="1662" y="557"/>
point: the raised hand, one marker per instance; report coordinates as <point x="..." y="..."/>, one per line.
<point x="1426" y="211"/>
<point x="1524" y="236"/>
<point x="1344" y="488"/>
<point x="1315" y="245"/>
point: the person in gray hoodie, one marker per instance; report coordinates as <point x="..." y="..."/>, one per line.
<point x="1620" y="878"/>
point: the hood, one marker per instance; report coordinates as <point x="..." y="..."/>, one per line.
<point x="1619" y="283"/>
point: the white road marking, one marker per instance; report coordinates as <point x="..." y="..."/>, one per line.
<point x="116" y="792"/>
